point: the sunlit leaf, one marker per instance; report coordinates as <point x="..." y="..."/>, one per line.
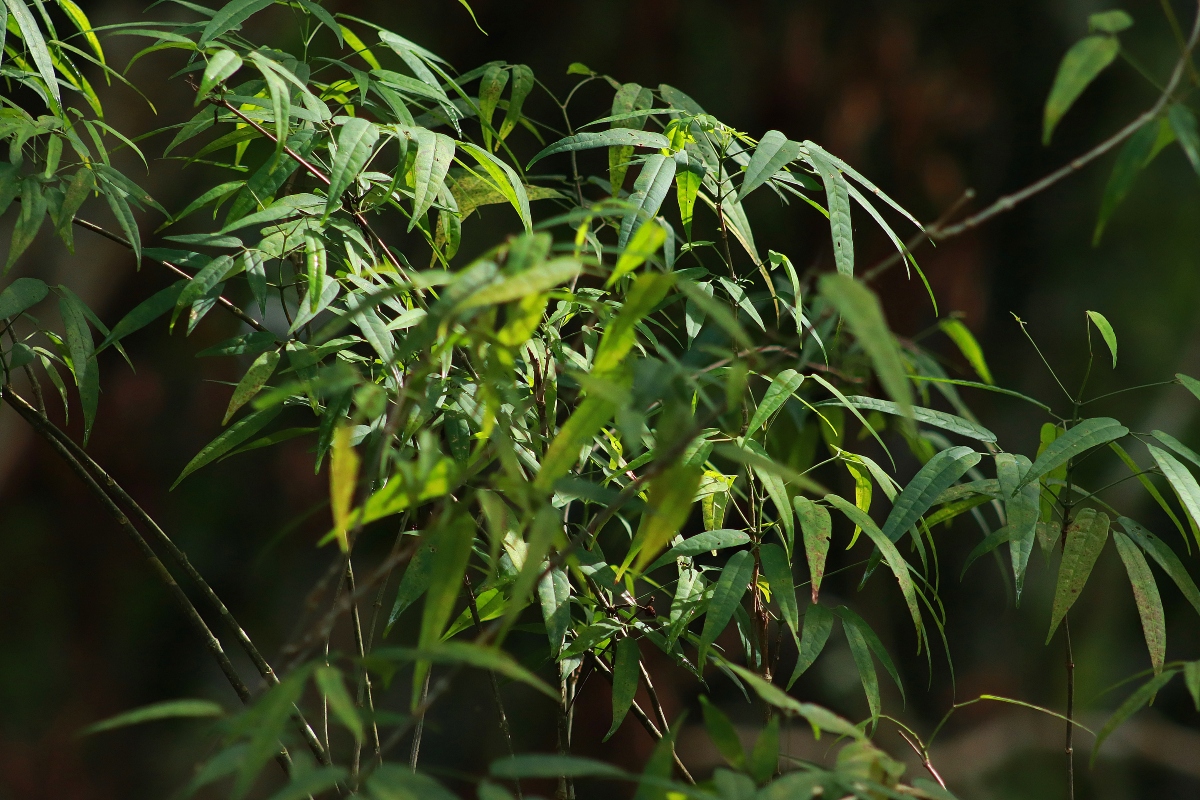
<point x="1086" y="59"/>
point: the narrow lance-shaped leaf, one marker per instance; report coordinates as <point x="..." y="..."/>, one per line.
<point x="838" y="200"/>
<point x="935" y="477"/>
<point x="144" y="313"/>
<point x="817" y="529"/>
<point x="453" y="549"/>
<point x="778" y="572"/>
<point x="221" y="66"/>
<point x="624" y="682"/>
<point x="1086" y="59"/>
<point x="772" y="481"/>
<point x="584" y="423"/>
<point x="522" y="85"/>
<point x="689" y="176"/>
<point x="1075" y="441"/>
<point x="1132" y="158"/>
<point x="259" y="373"/>
<point x="1181" y="480"/>
<point x="774" y="151"/>
<point x="230" y="16"/>
<point x="818" y="623"/>
<point x="1183" y="122"/>
<point x="28" y="222"/>
<point x="554" y="594"/>
<point x="866" y="668"/>
<point x="506" y="179"/>
<point x="343" y="480"/>
<point x="723" y="734"/>
<point x="236" y="434"/>
<point x="21" y="294"/>
<point x="1145" y="595"/>
<point x="435" y="151"/>
<point x="782" y="387"/>
<point x="861" y="310"/>
<point x="649" y="191"/>
<point x="667" y="507"/>
<point x="333" y="689"/>
<point x="1166" y="558"/>
<point x="1134" y="703"/>
<point x="355" y="144"/>
<point x="644" y="244"/>
<point x="36" y="44"/>
<point x="926" y="416"/>
<point x="491" y="86"/>
<point x="819" y="718"/>
<point x="1021" y="509"/>
<point x="615" y="138"/>
<point x="727" y="596"/>
<point x="1106" y="331"/>
<point x="852" y="620"/>
<point x="1086" y="536"/>
<point x="962" y="337"/>
<point x="316" y="260"/>
<point x="80" y="345"/>
<point x="168" y="709"/>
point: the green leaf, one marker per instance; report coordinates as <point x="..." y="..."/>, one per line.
<point x="778" y="572"/>
<point x="1021" y="507"/>
<point x="83" y="183"/>
<point x="529" y="765"/>
<point x="1079" y="438"/>
<point x="554" y="593"/>
<point x="1191" y="677"/>
<point x="891" y="555"/>
<point x="818" y="623"/>
<point x="962" y="337"/>
<point x="168" y="709"/>
<point x="1166" y="558"/>
<point x="1110" y="338"/>
<point x="28" y="222"/>
<point x="1113" y="21"/>
<point x="620" y="334"/>
<point x="545" y="529"/>
<point x="617" y="137"/>
<point x="562" y="454"/>
<point x="727" y="596"/>
<point x="221" y="66"/>
<point x="935" y="477"/>
<point x="649" y="191"/>
<point x="236" y="434"/>
<point x="1183" y="123"/>
<point x="1086" y="536"/>
<point x="866" y="668"/>
<point x="1178" y="446"/>
<point x="355" y="145"/>
<point x="35" y="43"/>
<point x="853" y="620"/>
<point x="333" y="689"/>
<point x="723" y="734"/>
<point x="701" y="543"/>
<point x="1086" y="59"/>
<point x="505" y="179"/>
<point x="926" y="416"/>
<point x="625" y="678"/>
<point x="819" y="718"/>
<point x="764" y="759"/>
<point x="533" y="281"/>
<point x="230" y="16"/>
<point x="817" y="529"/>
<point x="304" y="785"/>
<point x="144" y="313"/>
<point x="452" y="549"/>
<point x="837" y="193"/>
<point x="1145" y="595"/>
<point x="414" y="583"/>
<point x="772" y="481"/>
<point x="80" y="345"/>
<point x="861" y="310"/>
<point x="400" y="782"/>
<point x="717" y="311"/>
<point x="1132" y="705"/>
<point x="668" y="505"/>
<point x="774" y="151"/>
<point x="689" y="177"/>
<point x="782" y="387"/>
<point x="1133" y="157"/>
<point x="21" y="294"/>
<point x="1181" y="480"/>
<point x="203" y="282"/>
<point x="645" y="243"/>
<point x="491" y="86"/>
<point x="250" y="384"/>
<point x="522" y="85"/>
<point x="435" y="152"/>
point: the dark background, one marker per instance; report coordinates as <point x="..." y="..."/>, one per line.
<point x="927" y="99"/>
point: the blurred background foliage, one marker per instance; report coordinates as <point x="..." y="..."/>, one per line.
<point x="928" y="98"/>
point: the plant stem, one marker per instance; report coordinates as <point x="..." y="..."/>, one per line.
<point x="1070" y="736"/>
<point x="473" y="605"/>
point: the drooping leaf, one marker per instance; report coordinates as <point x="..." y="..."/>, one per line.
<point x="626" y="675"/>
<point x="491" y="86"/>
<point x="355" y="145"/>
<point x="1086" y="59"/>
<point x="1133" y="157"/>
<point x="28" y="222"/>
<point x="435" y="152"/>
<point x="862" y="312"/>
<point x="522" y="85"/>
<point x="1145" y="595"/>
<point x="1079" y="438"/>
<point x="773" y="152"/>
<point x="452" y="545"/>
<point x="727" y="596"/>
<point x="617" y="137"/>
<point x="701" y="543"/>
<point x="252" y="382"/>
<point x="773" y="481"/>
<point x="1021" y="509"/>
<point x="689" y="177"/>
<point x="764" y="758"/>
<point x="505" y="179"/>
<point x="852" y="620"/>
<point x="1086" y="536"/>
<point x="668" y="505"/>
<point x="1134" y="703"/>
<point x="837" y="193"/>
<point x="1106" y="330"/>
<point x="723" y="734"/>
<point x="20" y="295"/>
<point x="778" y="572"/>
<point x="80" y="345"/>
<point x="819" y="718"/>
<point x="146" y="312"/>
<point x="866" y="668"/>
<point x="562" y="454"/>
<point x="962" y="337"/>
<point x="35" y="43"/>
<point x="926" y="416"/>
<point x="554" y="594"/>
<point x="935" y="477"/>
<point x="1183" y="123"/>
<point x="333" y="689"/>
<point x="168" y="709"/>
<point x="230" y="16"/>
<point x="817" y="529"/>
<point x="620" y="335"/>
<point x="1165" y="557"/>
<point x="818" y="624"/>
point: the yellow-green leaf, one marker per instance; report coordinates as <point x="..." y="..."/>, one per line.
<point x="252" y="382"/>
<point x="343" y="479"/>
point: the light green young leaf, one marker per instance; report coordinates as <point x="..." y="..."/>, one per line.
<point x="533" y="281"/>
<point x="491" y="86"/>
<point x="645" y="243"/>
<point x="818" y="623"/>
<point x="1086" y="59"/>
<point x="1181" y="480"/>
<point x="505" y="179"/>
<point x="962" y="337"/>
<point x="1106" y="330"/>
<point x="689" y="177"/>
<point x="727" y="596"/>
<point x="1166" y="558"/>
<point x="36" y="44"/>
<point x="1145" y="595"/>
<point x="935" y="477"/>
<point x="1131" y="706"/>
<point x="1113" y="21"/>
<point x="1086" y="536"/>
<point x="333" y="689"/>
<point x="782" y="387"/>
<point x="585" y="422"/>
<point x="236" y="434"/>
<point x="774" y="151"/>
<point x="221" y="66"/>
<point x="1078" y="439"/>
<point x="20" y="295"/>
<point x="355" y="145"/>
<point x="522" y="85"/>
<point x="624" y="681"/>
<point x="819" y="718"/>
<point x="252" y="382"/>
<point x="168" y="709"/>
<point x="83" y="25"/>
<point x="1183" y="123"/>
<point x="668" y="505"/>
<point x="891" y="555"/>
<point x="778" y="572"/>
<point x="817" y="529"/>
<point x="545" y="529"/>
<point x="435" y="152"/>
<point x="620" y="334"/>
<point x="861" y="310"/>
<point x="617" y="137"/>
